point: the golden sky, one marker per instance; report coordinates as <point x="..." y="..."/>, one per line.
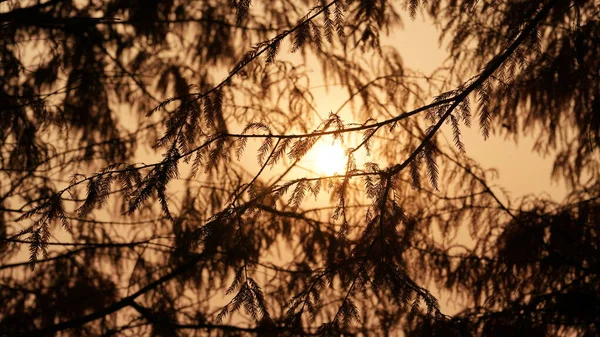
<point x="419" y="47"/>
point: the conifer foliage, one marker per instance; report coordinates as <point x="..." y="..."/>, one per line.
<point x="150" y="150"/>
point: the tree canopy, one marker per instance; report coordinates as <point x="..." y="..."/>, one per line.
<point x="150" y="154"/>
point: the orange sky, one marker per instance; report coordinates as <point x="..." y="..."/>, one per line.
<point x="418" y="43"/>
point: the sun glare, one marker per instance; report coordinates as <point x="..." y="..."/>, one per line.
<point x="330" y="159"/>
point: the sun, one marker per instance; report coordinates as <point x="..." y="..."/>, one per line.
<point x="330" y="159"/>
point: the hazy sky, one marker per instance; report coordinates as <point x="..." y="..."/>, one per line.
<point x="418" y="45"/>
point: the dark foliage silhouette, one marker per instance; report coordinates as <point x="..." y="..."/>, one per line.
<point x="127" y="127"/>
